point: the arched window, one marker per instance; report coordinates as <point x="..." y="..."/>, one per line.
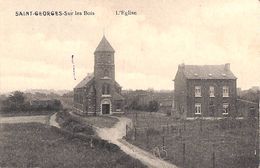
<point x="105" y="89"/>
<point x="106" y="72"/>
<point x="108" y="89"/>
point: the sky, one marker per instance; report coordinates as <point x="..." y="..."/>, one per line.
<point x="36" y="50"/>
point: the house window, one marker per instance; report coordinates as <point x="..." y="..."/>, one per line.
<point x="225" y="108"/>
<point x="106" y="89"/>
<point x="197" y="91"/>
<point x="211" y="91"/>
<point x="197" y="108"/>
<point x="225" y="91"/>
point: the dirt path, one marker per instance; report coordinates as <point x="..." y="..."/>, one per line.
<point x="25" y="119"/>
<point x="53" y="121"/>
<point x="115" y="134"/>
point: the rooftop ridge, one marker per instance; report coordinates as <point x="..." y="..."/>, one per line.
<point x="221" y="71"/>
<point x="104" y="45"/>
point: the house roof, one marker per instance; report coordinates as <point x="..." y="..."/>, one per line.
<point x="85" y="81"/>
<point x="117" y="96"/>
<point x="207" y="71"/>
<point x="104" y="45"/>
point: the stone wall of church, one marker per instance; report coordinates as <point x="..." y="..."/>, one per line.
<point x="104" y="65"/>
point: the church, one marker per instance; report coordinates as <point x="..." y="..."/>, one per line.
<point x="99" y="93"/>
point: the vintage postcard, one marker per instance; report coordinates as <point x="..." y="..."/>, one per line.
<point x="130" y="84"/>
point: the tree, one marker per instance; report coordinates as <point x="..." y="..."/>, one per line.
<point x="14" y="102"/>
<point x="249" y="95"/>
<point x="17" y="97"/>
<point x="153" y="106"/>
<point x="134" y="105"/>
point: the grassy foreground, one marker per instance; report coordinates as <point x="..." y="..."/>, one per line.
<point x="38" y="145"/>
<point x="101" y="121"/>
<point x="25" y="113"/>
<point x="199" y="143"/>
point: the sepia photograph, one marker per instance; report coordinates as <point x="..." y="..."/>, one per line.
<point x="130" y="84"/>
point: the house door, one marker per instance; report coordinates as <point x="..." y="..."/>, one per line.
<point x="105" y="108"/>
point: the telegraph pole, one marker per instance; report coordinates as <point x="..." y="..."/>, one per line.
<point x="258" y="125"/>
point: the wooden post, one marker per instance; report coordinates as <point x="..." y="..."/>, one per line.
<point x="167" y="128"/>
<point x="135" y="133"/>
<point x="136" y="117"/>
<point x="147" y="138"/>
<point x="163" y="130"/>
<point x="133" y="162"/>
<point x="184" y="125"/>
<point x="126" y="130"/>
<point x="257" y="129"/>
<point x="213" y="159"/>
<point x="163" y="140"/>
<point x="183" y="154"/>
<point x="208" y="134"/>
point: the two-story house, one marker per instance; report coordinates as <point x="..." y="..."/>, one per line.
<point x="204" y="91"/>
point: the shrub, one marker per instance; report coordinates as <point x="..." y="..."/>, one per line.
<point x="152" y="131"/>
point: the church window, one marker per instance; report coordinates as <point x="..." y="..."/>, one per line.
<point x="106" y="72"/>
<point x="106" y="89"/>
<point x="103" y="89"/>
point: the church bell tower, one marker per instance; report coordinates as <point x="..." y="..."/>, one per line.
<point x="104" y="72"/>
<point x="104" y="60"/>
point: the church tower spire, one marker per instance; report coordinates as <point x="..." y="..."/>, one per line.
<point x="104" y="46"/>
<point x="104" y="60"/>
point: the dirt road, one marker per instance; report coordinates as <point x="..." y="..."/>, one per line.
<point x="115" y="134"/>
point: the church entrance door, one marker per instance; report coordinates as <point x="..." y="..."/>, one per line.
<point x="105" y="108"/>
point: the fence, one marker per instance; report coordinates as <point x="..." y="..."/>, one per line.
<point x="208" y="141"/>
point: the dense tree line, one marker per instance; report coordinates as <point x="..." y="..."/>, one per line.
<point x="250" y="95"/>
<point x="152" y="106"/>
<point x="17" y="102"/>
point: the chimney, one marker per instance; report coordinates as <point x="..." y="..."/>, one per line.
<point x="182" y="66"/>
<point x="227" y="67"/>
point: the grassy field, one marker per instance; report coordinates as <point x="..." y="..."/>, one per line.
<point x="101" y="121"/>
<point x="25" y="113"/>
<point x="37" y="145"/>
<point x="97" y="121"/>
<point x="199" y="143"/>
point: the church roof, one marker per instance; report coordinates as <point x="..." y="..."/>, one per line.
<point x="207" y="71"/>
<point x="85" y="81"/>
<point x="104" y="45"/>
<point x="117" y="96"/>
<point x="117" y="84"/>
